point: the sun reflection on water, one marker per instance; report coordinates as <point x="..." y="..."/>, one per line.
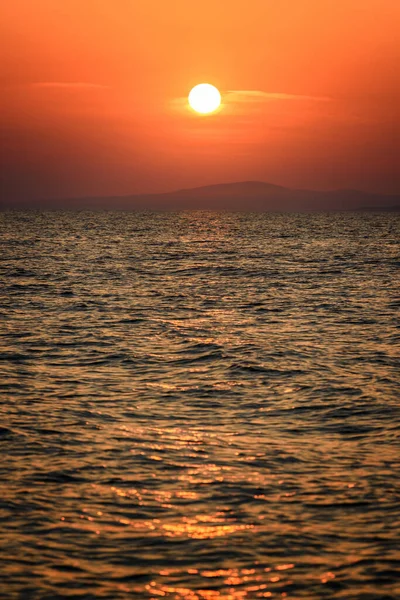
<point x="199" y="406"/>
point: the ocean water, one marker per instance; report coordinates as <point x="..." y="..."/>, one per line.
<point x="199" y="406"/>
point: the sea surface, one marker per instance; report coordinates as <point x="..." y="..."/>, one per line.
<point x="199" y="406"/>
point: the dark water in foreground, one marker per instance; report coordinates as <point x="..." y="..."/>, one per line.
<point x="199" y="406"/>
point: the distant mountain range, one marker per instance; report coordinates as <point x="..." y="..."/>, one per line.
<point x="245" y="195"/>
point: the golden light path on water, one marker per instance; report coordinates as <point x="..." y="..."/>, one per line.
<point x="257" y="580"/>
<point x="199" y="406"/>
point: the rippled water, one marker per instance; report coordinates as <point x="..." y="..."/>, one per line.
<point x="199" y="406"/>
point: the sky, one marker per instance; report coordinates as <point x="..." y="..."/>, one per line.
<point x="93" y="97"/>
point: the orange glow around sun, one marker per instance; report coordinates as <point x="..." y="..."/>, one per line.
<point x="95" y="100"/>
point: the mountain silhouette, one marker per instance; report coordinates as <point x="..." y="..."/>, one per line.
<point x="244" y="195"/>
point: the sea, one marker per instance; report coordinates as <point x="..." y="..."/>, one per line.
<point x="199" y="406"/>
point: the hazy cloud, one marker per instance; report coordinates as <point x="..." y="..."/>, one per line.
<point x="66" y="85"/>
<point x="259" y="96"/>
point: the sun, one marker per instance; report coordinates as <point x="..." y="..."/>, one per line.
<point x="204" y="98"/>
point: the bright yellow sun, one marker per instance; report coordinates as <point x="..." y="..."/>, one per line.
<point x="204" y="98"/>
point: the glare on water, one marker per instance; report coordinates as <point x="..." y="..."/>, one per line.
<point x="199" y="406"/>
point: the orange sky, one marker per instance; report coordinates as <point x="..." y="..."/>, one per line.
<point x="93" y="94"/>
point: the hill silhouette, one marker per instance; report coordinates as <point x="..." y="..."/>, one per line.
<point x="244" y="195"/>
